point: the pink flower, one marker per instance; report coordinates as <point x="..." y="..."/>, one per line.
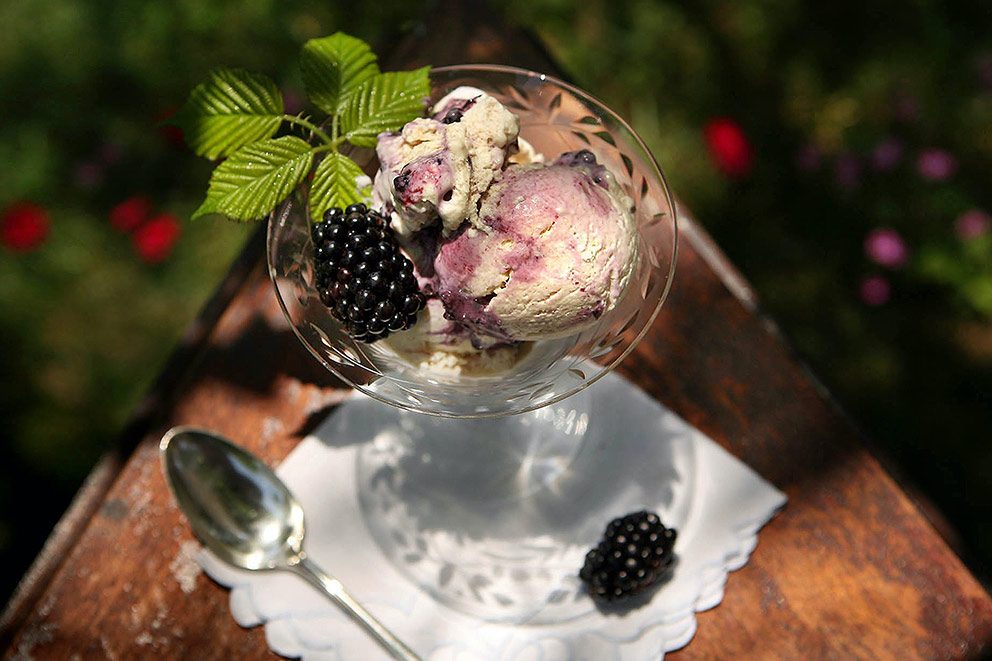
<point x="886" y="247"/>
<point x="886" y="155"/>
<point x="729" y="147"/>
<point x="971" y="224"/>
<point x="154" y="240"/>
<point x="875" y="290"/>
<point x="936" y="164"/>
<point x="23" y="226"/>
<point x="847" y="171"/>
<point x="130" y="213"/>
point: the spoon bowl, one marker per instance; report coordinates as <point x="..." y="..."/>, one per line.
<point x="246" y="516"/>
<point x="235" y="504"/>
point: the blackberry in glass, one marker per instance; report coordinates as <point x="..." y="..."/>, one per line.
<point x="361" y="275"/>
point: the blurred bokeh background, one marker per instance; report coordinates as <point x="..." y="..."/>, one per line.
<point x="839" y="152"/>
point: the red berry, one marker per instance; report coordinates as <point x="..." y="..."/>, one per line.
<point x="130" y="213"/>
<point x="729" y="147"/>
<point x="23" y="226"/>
<point x="155" y="239"/>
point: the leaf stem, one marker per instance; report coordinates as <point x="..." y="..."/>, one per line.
<point x="299" y="121"/>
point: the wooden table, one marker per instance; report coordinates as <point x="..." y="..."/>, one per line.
<point x="849" y="569"/>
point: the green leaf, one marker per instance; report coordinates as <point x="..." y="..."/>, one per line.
<point x="334" y="184"/>
<point x="231" y="109"/>
<point x="333" y="67"/>
<point x="384" y="103"/>
<point x="256" y="178"/>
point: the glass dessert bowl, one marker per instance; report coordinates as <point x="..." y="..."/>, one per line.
<point x="555" y="118"/>
<point x="489" y="512"/>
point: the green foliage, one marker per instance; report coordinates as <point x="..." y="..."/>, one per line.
<point x="235" y="109"/>
<point x="231" y="109"/>
<point x="333" y="67"/>
<point x="965" y="267"/>
<point x="334" y="184"/>
<point x="383" y="103"/>
<point x="257" y="177"/>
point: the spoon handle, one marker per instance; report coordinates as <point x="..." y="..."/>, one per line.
<point x="333" y="588"/>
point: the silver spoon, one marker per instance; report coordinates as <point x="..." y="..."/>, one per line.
<point x="247" y="517"/>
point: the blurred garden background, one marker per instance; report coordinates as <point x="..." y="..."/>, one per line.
<point x="839" y="152"/>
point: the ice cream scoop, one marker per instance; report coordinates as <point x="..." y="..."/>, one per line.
<point x="439" y="167"/>
<point x="553" y="250"/>
<point x="508" y="249"/>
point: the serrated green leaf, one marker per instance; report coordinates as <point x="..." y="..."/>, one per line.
<point x="333" y="67"/>
<point x="384" y="103"/>
<point x="231" y="109"/>
<point x="256" y="178"/>
<point x="334" y="184"/>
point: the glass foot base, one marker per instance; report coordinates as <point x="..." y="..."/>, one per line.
<point x="493" y="517"/>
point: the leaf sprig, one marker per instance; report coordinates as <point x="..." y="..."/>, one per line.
<point x="235" y="113"/>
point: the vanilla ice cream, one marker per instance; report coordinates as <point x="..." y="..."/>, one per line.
<point x="509" y="250"/>
<point x="554" y="252"/>
<point x="440" y="344"/>
<point x="439" y="167"/>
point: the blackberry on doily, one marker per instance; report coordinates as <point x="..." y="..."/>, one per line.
<point x="635" y="552"/>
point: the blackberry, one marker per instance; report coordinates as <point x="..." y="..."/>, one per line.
<point x="453" y="116"/>
<point x="634" y="553"/>
<point x="362" y="276"/>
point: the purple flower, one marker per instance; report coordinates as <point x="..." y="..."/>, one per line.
<point x="847" y="171"/>
<point x="886" y="247"/>
<point x="887" y="155"/>
<point x="808" y="158"/>
<point x="971" y="224"/>
<point x="875" y="290"/>
<point x="936" y="164"/>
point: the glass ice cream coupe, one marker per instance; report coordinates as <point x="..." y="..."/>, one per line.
<point x="487" y="490"/>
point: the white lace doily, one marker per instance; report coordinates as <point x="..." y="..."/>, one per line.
<point x="716" y="502"/>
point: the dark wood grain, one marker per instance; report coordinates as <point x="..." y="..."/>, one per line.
<point x="850" y="569"/>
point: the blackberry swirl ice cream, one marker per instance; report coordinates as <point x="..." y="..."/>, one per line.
<point x="509" y="250"/>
